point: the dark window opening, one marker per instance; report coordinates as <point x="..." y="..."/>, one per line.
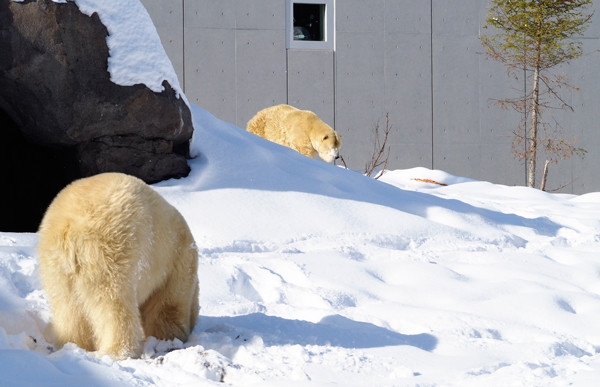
<point x="309" y="22"/>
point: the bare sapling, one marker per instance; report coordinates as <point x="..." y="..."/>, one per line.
<point x="381" y="150"/>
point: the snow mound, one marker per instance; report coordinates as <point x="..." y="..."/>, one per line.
<point x="311" y="274"/>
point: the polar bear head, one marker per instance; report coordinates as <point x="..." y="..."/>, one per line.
<point x="325" y="141"/>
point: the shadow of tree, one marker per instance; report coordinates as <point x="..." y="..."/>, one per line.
<point x="334" y="330"/>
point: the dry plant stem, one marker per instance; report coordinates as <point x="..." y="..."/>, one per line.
<point x="381" y="151"/>
<point x="343" y="161"/>
<point x="430" y="181"/>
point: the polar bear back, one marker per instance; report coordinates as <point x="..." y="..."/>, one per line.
<point x="301" y="130"/>
<point x="278" y="124"/>
<point x="117" y="263"/>
<point x="108" y="208"/>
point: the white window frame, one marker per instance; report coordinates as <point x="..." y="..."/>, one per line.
<point x="329" y="28"/>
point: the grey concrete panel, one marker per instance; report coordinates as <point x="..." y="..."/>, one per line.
<point x="359" y="92"/>
<point x="407" y="89"/>
<point x="585" y="176"/>
<point x="408" y="84"/>
<point x="458" y="18"/>
<point x="457" y="135"/>
<point x="167" y="17"/>
<point x="311" y="82"/>
<point x="358" y="16"/>
<point x="455" y="91"/>
<point x="261" y="72"/>
<point x="496" y="124"/>
<point x="497" y="165"/>
<point x="582" y="73"/>
<point x="405" y="155"/>
<point x="260" y="14"/>
<point x="211" y="71"/>
<point x="407" y="16"/>
<point x="459" y="159"/>
<point x="581" y="125"/>
<point x="210" y="13"/>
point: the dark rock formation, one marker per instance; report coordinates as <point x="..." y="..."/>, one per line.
<point x="58" y="104"/>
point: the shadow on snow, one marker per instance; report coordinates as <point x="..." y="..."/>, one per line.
<point x="334" y="330"/>
<point x="225" y="150"/>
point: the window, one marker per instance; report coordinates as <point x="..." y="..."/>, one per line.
<point x="310" y="24"/>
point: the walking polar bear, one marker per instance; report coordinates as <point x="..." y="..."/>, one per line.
<point x="118" y="263"/>
<point x="298" y="129"/>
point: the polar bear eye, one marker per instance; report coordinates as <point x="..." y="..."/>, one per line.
<point x="326" y="137"/>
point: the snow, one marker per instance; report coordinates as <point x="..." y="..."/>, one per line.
<point x="136" y="54"/>
<point x="311" y="274"/>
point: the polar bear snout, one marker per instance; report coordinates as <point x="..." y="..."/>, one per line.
<point x="329" y="146"/>
<point x="329" y="155"/>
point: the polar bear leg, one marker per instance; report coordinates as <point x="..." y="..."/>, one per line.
<point x="163" y="316"/>
<point x="107" y="290"/>
<point x="115" y="321"/>
<point x="70" y="325"/>
<point x="172" y="310"/>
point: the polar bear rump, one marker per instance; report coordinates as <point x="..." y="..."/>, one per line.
<point x="298" y="129"/>
<point x="118" y="264"/>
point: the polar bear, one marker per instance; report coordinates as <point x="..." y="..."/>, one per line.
<point x="118" y="263"/>
<point x="298" y="129"/>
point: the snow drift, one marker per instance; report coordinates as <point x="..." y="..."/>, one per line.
<point x="314" y="274"/>
<point x="311" y="274"/>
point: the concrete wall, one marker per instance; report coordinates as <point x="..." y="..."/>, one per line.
<point x="418" y="60"/>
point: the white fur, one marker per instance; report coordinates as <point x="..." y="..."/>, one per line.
<point x="118" y="263"/>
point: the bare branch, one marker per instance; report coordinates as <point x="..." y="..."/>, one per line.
<point x="343" y="161"/>
<point x="381" y="151"/>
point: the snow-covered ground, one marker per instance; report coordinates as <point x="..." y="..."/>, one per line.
<point x="311" y="274"/>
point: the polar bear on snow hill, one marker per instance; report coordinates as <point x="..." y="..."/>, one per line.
<point x="298" y="129"/>
<point x="118" y="263"/>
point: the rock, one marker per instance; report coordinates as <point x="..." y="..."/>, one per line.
<point x="55" y="89"/>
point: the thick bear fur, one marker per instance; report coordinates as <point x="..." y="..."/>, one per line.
<point x="298" y="129"/>
<point x="118" y="263"/>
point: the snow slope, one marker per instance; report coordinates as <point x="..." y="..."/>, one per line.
<point x="315" y="275"/>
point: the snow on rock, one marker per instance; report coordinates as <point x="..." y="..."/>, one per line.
<point x="136" y="52"/>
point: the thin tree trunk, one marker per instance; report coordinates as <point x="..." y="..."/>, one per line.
<point x="533" y="130"/>
<point x="544" y="176"/>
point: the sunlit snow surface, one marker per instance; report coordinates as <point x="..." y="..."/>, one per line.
<point x="311" y="274"/>
<point x="315" y="275"/>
